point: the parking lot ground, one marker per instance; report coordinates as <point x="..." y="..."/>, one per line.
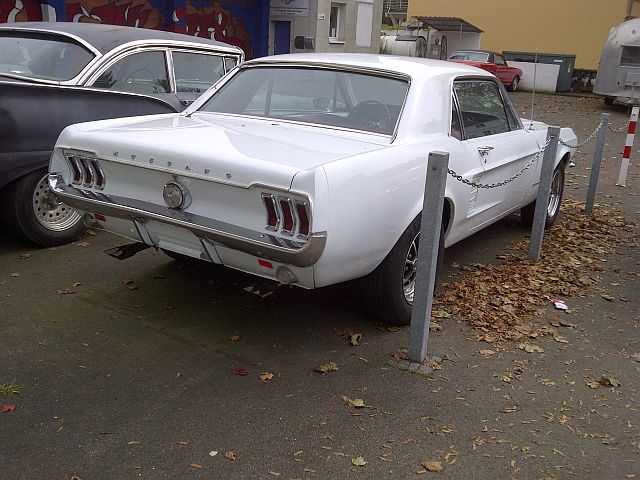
<point x="128" y="369"/>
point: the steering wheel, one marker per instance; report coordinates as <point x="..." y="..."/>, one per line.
<point x="371" y="114"/>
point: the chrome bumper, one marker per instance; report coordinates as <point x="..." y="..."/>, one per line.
<point x="259" y="244"/>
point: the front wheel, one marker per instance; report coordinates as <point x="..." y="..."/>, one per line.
<point x="392" y="284"/>
<point x="33" y="211"/>
<point x="553" y="206"/>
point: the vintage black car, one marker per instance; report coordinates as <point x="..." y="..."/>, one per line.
<point x="55" y="74"/>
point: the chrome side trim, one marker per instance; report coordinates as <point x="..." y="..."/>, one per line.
<point x="259" y="244"/>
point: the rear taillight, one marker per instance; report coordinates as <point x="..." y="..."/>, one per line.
<point x="86" y="171"/>
<point x="288" y="220"/>
<point x="303" y="218"/>
<point x="286" y="215"/>
<point x="273" y="219"/>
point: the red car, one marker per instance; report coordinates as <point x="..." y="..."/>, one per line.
<point x="491" y="62"/>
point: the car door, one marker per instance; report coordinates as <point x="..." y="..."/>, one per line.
<point x="144" y="72"/>
<point x="503" y="71"/>
<point x="493" y="135"/>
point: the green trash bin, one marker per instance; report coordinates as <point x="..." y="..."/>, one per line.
<point x="566" y="62"/>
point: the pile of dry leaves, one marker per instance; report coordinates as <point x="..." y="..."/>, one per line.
<point x="501" y="299"/>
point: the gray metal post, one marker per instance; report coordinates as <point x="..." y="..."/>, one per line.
<point x="544" y="189"/>
<point x="597" y="160"/>
<point x="428" y="258"/>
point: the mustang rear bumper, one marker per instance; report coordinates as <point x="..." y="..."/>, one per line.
<point x="259" y="244"/>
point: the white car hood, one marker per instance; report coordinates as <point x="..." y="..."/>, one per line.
<point x="225" y="148"/>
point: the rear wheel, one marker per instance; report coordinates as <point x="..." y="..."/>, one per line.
<point x="392" y="284"/>
<point x="513" y="86"/>
<point x="555" y="200"/>
<point x="36" y="213"/>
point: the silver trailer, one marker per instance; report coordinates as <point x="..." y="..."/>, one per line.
<point x="618" y="78"/>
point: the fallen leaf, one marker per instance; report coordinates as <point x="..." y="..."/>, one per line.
<point x="609" y="381"/>
<point x="433" y="466"/>
<point x="608" y="298"/>
<point x="230" y="455"/>
<point x="326" y="367"/>
<point x="24" y="256"/>
<point x="358" y="461"/>
<point x="182" y="442"/>
<point x="67" y="291"/>
<point x="529" y="348"/>
<point x="9" y="407"/>
<point x="82" y="244"/>
<point x="240" y="372"/>
<point x="266" y="376"/>
<point x="213" y="453"/>
<point x="486" y="352"/>
<point x="354" y="338"/>
<point x="127" y="281"/>
<point x="593" y="384"/>
<point x="133" y="442"/>
<point x="560" y="339"/>
<point x="355" y="402"/>
<point x="196" y="465"/>
<point x="15" y="275"/>
<point x="234" y="338"/>
<point x="275" y="474"/>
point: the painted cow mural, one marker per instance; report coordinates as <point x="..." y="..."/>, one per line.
<point x="225" y="21"/>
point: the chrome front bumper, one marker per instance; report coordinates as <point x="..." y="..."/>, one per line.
<point x="259" y="244"/>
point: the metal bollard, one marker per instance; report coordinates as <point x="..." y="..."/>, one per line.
<point x="624" y="166"/>
<point x="597" y="160"/>
<point x="430" y="225"/>
<point x="544" y="188"/>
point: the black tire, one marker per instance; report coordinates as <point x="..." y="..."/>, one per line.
<point x="513" y="86"/>
<point x="555" y="200"/>
<point x="33" y="212"/>
<point x="386" y="283"/>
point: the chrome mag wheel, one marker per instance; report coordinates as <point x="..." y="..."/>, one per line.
<point x="51" y="213"/>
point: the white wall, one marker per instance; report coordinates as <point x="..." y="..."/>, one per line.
<point x="546" y="76"/>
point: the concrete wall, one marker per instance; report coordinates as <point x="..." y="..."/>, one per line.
<point x="568" y="26"/>
<point x="362" y="21"/>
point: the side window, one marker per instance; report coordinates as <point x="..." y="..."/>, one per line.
<point x="500" y="60"/>
<point x="230" y="63"/>
<point x="196" y="72"/>
<point x="144" y="72"/>
<point x="481" y="108"/>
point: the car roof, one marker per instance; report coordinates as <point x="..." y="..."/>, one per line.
<point x="412" y="66"/>
<point x="105" y="38"/>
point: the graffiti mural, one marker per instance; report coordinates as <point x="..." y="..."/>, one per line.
<point x="20" y="11"/>
<point x="202" y="18"/>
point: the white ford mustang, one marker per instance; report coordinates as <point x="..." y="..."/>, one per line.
<point x="309" y="169"/>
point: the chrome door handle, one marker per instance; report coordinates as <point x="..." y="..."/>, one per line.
<point x="484" y="151"/>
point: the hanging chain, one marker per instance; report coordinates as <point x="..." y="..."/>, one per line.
<point x="622" y="128"/>
<point x="586" y="140"/>
<point x="475" y="184"/>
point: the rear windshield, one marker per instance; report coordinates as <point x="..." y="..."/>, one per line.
<point x="49" y="57"/>
<point x="346" y="99"/>
<point x="470" y="56"/>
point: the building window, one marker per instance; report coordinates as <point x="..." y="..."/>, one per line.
<point x="336" y="22"/>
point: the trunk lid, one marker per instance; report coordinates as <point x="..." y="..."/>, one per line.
<point x="229" y="149"/>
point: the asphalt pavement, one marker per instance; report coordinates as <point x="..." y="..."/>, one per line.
<point x="152" y="368"/>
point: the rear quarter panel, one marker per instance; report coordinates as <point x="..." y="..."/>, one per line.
<point x="32" y="116"/>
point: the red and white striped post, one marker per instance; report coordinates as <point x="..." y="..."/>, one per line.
<point x="633" y="120"/>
